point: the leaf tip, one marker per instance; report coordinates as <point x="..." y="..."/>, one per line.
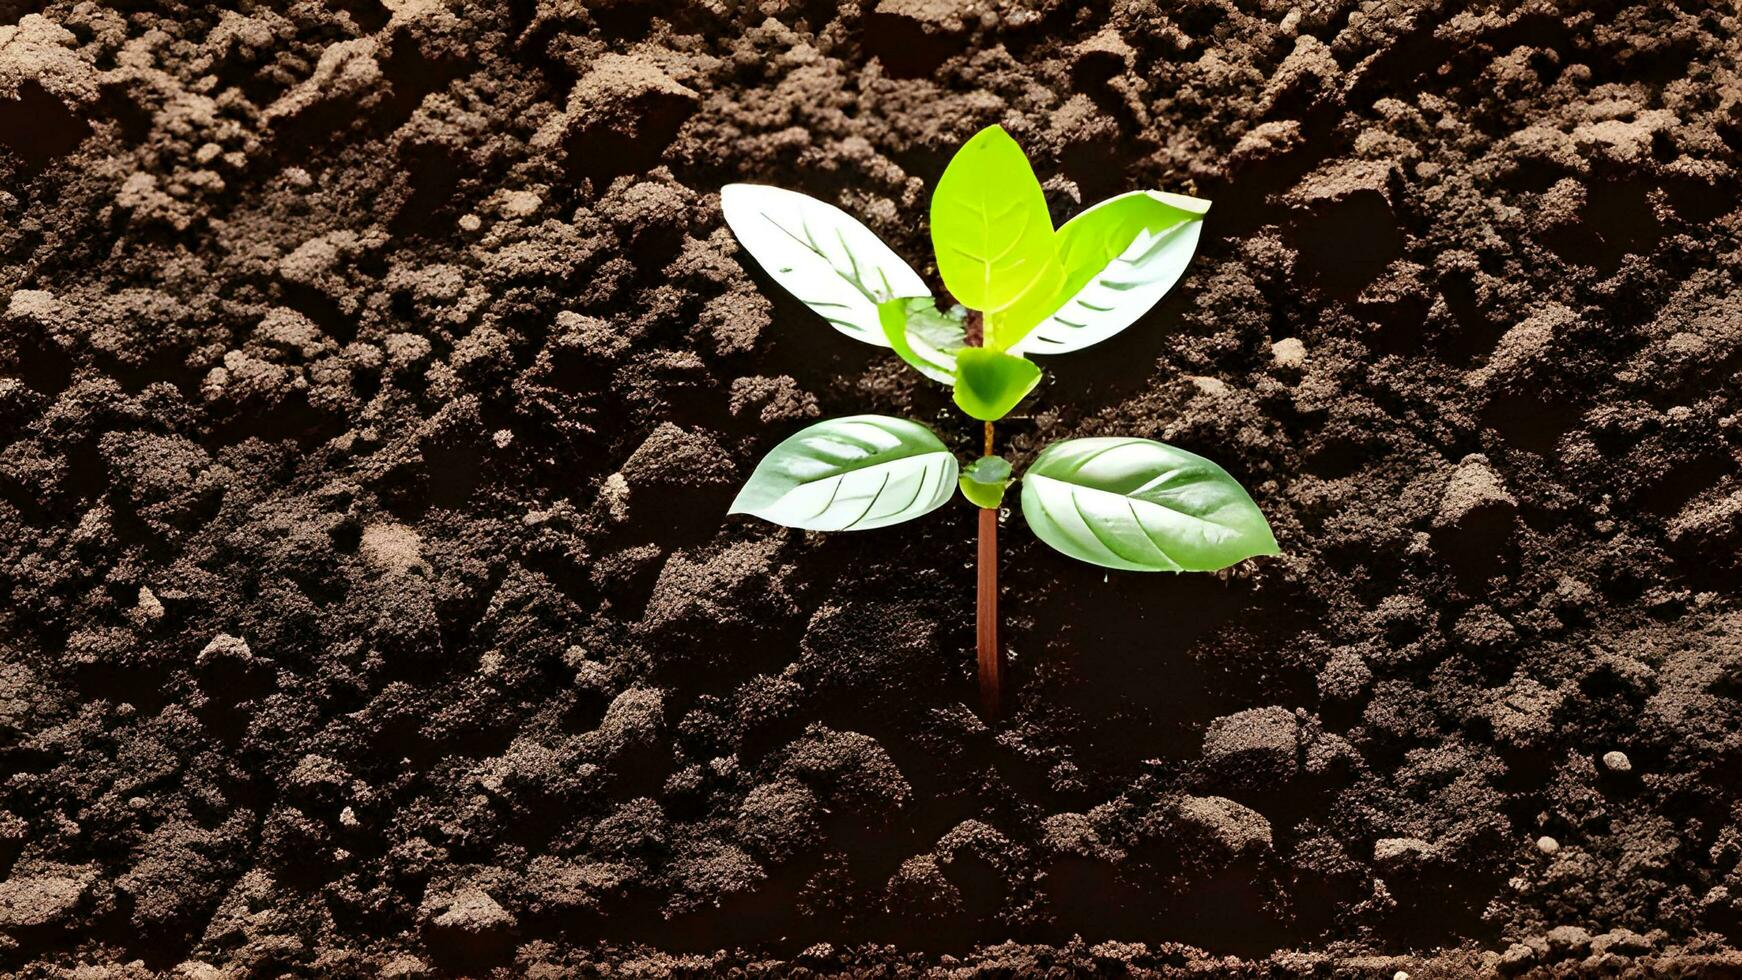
<point x="988" y="137"/>
<point x="738" y="505"/>
<point x="1185" y="202"/>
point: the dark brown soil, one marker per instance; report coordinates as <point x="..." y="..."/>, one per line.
<point x="375" y="374"/>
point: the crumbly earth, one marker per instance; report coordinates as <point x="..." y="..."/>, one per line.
<point x="375" y="376"/>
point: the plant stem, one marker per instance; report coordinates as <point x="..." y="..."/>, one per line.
<point x="986" y="624"/>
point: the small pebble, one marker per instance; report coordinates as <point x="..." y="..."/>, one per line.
<point x="1516" y="956"/>
<point x="1547" y="845"/>
<point x="1289" y="352"/>
<point x="470" y="222"/>
<point x="517" y="204"/>
<point x="151" y="609"/>
<point x="1617" y="761"/>
<point x="1400" y="975"/>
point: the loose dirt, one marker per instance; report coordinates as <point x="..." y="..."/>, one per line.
<point x="375" y="376"/>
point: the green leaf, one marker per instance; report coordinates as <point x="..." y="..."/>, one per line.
<point x="991" y="229"/>
<point x="821" y="255"/>
<point x="1120" y="258"/>
<point x="925" y="337"/>
<point x="852" y="473"/>
<point x="1141" y="505"/>
<point x="984" y="481"/>
<point x="1006" y="329"/>
<point x="989" y="383"/>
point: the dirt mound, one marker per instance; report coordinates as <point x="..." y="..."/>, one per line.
<point x="374" y="377"/>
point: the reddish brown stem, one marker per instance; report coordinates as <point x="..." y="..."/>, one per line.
<point x="986" y="622"/>
<point x="987" y="633"/>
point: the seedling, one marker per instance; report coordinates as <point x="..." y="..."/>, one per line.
<point x="1021" y="288"/>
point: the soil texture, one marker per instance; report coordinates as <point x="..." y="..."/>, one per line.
<point x="375" y="376"/>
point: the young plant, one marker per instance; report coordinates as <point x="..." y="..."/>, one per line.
<point x="1021" y="288"/>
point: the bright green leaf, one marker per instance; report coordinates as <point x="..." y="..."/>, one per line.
<point x="990" y="227"/>
<point x="989" y="383"/>
<point x="924" y="336"/>
<point x="984" y="481"/>
<point x="821" y="255"/>
<point x="1120" y="258"/>
<point x="1141" y="505"/>
<point x="852" y="473"/>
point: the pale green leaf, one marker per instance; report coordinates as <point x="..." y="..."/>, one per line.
<point x="990" y="227"/>
<point x="821" y="255"/>
<point x="853" y="473"/>
<point x="924" y="336"/>
<point x="1141" y="505"/>
<point x="984" y="481"/>
<point x="1120" y="258"/>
